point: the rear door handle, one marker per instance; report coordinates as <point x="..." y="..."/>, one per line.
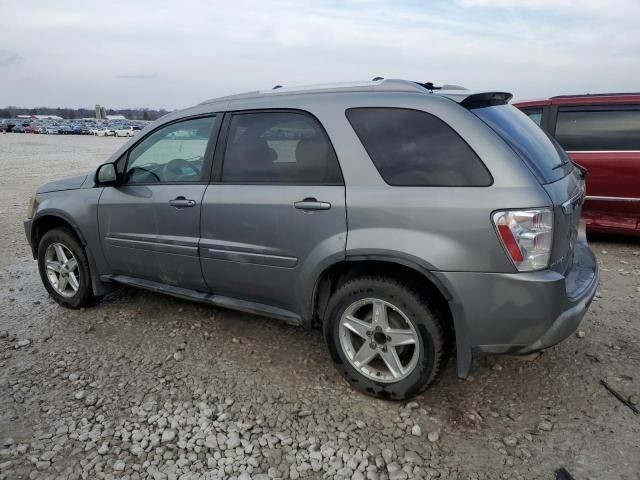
<point x="181" y="202"/>
<point x="312" y="204"/>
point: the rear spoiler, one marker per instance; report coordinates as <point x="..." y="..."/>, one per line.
<point x="486" y="99"/>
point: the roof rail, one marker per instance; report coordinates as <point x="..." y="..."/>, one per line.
<point x="596" y="95"/>
<point x="377" y="84"/>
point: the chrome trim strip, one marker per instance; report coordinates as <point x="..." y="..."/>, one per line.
<point x="603" y="151"/>
<point x="612" y="199"/>
<point x="569" y="206"/>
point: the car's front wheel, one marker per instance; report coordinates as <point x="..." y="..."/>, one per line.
<point x="64" y="268"/>
<point x="384" y="338"/>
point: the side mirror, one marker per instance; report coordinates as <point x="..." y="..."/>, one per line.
<point x="106" y="174"/>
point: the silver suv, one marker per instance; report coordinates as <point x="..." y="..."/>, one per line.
<point x="405" y="220"/>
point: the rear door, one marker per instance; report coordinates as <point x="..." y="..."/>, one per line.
<point x="150" y="222"/>
<point x="606" y="141"/>
<point x="276" y="210"/>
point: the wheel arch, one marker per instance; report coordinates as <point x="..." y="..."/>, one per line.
<point x="431" y="284"/>
<point x="48" y="220"/>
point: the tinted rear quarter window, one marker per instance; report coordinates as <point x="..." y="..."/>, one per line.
<point x="415" y="148"/>
<point x="598" y="129"/>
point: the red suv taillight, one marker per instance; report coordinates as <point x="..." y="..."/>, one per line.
<point x="527" y="236"/>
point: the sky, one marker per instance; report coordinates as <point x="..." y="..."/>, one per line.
<point x="176" y="53"/>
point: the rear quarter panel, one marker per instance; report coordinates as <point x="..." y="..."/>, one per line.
<point x="438" y="228"/>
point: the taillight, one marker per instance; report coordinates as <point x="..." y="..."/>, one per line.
<point x="527" y="236"/>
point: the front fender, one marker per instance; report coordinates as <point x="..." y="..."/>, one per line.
<point x="79" y="210"/>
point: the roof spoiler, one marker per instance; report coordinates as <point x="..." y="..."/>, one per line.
<point x="486" y="99"/>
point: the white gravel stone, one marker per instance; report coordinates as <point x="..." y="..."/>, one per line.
<point x="545" y="426"/>
<point x="416" y="430"/>
<point x="168" y="435"/>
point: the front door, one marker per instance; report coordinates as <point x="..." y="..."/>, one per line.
<point x="150" y="222"/>
<point x="276" y="212"/>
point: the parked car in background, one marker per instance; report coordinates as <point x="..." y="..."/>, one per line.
<point x="105" y="132"/>
<point x="404" y="220"/>
<point x="601" y="133"/>
<point x="126" y="132"/>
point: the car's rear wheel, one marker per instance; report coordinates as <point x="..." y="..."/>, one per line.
<point x="384" y="338"/>
<point x="64" y="268"/>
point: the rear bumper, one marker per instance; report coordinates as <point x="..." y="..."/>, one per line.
<point x="522" y="312"/>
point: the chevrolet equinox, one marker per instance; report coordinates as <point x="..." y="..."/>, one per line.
<point x="406" y="220"/>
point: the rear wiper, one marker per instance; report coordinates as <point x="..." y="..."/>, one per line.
<point x="562" y="164"/>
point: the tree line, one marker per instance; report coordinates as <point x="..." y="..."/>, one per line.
<point x="73" y="113"/>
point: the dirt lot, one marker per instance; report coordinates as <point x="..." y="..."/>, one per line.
<point x="146" y="386"/>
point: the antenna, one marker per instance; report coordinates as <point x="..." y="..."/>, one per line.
<point x="276" y="87"/>
<point x="376" y="79"/>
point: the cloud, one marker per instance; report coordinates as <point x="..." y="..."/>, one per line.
<point x="205" y="49"/>
<point x="138" y="76"/>
<point x="8" y="58"/>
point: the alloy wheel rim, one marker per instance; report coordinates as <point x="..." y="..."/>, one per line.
<point x="378" y="340"/>
<point x="62" y="269"/>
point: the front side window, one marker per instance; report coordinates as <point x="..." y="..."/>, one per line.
<point x="599" y="129"/>
<point x="172" y="154"/>
<point x="279" y="147"/>
<point x="415" y="148"/>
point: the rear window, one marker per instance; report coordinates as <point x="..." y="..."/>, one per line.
<point x="415" y="148"/>
<point x="541" y="153"/>
<point x="616" y="130"/>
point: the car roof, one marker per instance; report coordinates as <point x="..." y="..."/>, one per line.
<point x="583" y="99"/>
<point x="453" y="92"/>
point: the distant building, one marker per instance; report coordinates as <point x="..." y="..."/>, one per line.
<point x="101" y="112"/>
<point x="116" y="117"/>
<point x="40" y="117"/>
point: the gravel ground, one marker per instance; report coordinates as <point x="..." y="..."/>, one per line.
<point x="146" y="386"/>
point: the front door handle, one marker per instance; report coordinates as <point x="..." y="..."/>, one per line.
<point x="312" y="204"/>
<point x="181" y="202"/>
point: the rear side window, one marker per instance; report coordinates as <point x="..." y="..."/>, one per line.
<point x="279" y="147"/>
<point x="415" y="148"/>
<point x="599" y="129"/>
<point x="535" y="114"/>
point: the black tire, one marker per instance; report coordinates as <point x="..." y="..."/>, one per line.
<point x="84" y="297"/>
<point x="431" y="354"/>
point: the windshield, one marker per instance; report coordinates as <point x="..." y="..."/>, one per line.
<point x="541" y="153"/>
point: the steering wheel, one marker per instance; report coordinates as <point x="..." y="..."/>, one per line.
<point x="173" y="169"/>
<point x="130" y="174"/>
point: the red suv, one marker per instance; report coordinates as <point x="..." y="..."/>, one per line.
<point x="602" y="134"/>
